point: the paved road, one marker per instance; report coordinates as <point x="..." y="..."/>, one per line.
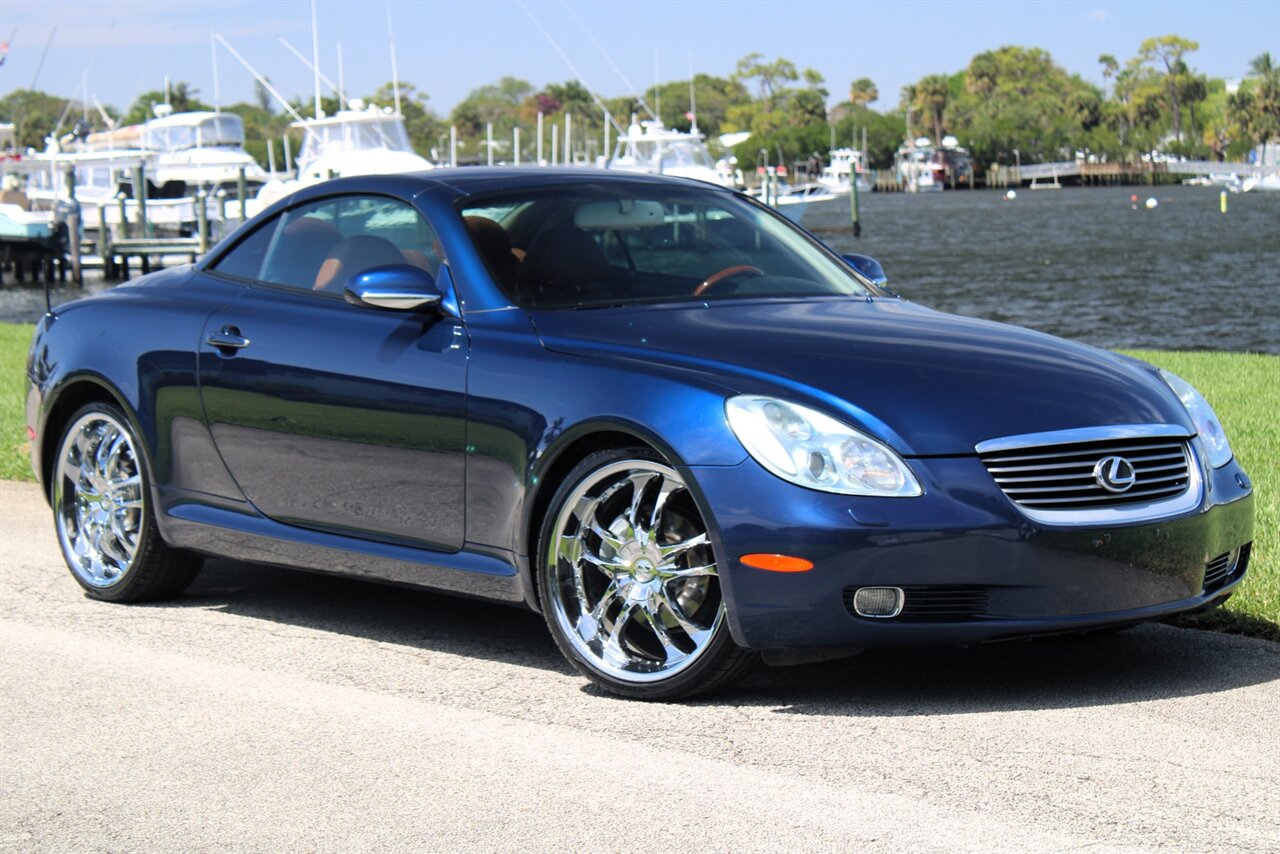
<point x="273" y="710"/>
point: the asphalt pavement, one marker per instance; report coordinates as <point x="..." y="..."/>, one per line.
<point x="271" y="710"/>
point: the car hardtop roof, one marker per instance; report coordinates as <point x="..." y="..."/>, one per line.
<point x="453" y="184"/>
<point x="475" y="181"/>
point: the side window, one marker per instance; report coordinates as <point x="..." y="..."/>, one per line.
<point x="321" y="245"/>
<point x="245" y="260"/>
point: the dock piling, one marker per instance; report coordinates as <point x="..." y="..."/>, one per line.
<point x="202" y="221"/>
<point x="242" y="194"/>
<point x="73" y="237"/>
<point x="140" y="199"/>
<point x="124" y="221"/>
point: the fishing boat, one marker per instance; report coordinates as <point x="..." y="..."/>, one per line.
<point x="651" y="147"/>
<point x="844" y="163"/>
<point x="923" y="167"/>
<point x="361" y="140"/>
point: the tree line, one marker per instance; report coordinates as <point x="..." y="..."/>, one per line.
<point x="1011" y="102"/>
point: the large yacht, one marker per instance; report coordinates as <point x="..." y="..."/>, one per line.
<point x="199" y="149"/>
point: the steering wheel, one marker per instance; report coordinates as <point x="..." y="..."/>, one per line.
<point x="727" y="273"/>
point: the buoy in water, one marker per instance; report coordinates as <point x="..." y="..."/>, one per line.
<point x="1151" y="203"/>
<point x="1134" y="197"/>
<point x="1010" y="196"/>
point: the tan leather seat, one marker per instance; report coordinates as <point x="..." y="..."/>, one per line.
<point x="353" y="255"/>
<point x="494" y="247"/>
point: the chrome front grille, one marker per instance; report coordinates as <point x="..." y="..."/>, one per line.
<point x="1064" y="476"/>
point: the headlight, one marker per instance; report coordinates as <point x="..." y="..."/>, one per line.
<point x="1208" y="427"/>
<point x="807" y="448"/>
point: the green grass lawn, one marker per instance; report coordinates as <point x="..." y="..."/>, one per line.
<point x="1243" y="388"/>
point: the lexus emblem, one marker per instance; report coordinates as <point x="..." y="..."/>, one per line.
<point x="1115" y="474"/>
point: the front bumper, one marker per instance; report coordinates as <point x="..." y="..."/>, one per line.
<point x="964" y="543"/>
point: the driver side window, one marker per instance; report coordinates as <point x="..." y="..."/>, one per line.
<point x="319" y="246"/>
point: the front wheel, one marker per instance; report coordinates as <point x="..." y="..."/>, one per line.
<point x="102" y="512"/>
<point x="629" y="581"/>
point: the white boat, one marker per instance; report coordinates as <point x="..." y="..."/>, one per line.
<point x="188" y="151"/>
<point x="924" y="167"/>
<point x="652" y="148"/>
<point x="844" y="163"/>
<point x="199" y="149"/>
<point x="103" y="187"/>
<point x="793" y="201"/>
<point x="357" y="141"/>
<point x="1261" y="184"/>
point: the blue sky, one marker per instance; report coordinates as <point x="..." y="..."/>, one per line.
<point x="448" y="48"/>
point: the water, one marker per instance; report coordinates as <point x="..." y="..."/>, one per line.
<point x="1077" y="262"/>
<point x="1081" y="262"/>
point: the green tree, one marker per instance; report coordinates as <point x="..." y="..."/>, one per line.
<point x="498" y="103"/>
<point x="932" y="93"/>
<point x="35" y="115"/>
<point x="884" y="132"/>
<point x="1168" y="51"/>
<point x="420" y="123"/>
<point x="1019" y="98"/>
<point x="182" y="97"/>
<point x="863" y="91"/>
<point x="771" y="77"/>
<point x="1255" y="108"/>
<point x="714" y="97"/>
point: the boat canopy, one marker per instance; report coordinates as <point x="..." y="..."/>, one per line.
<point x="195" y="130"/>
<point x="360" y="132"/>
<point x="662" y="150"/>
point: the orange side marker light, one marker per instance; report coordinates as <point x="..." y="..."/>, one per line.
<point x="777" y="563"/>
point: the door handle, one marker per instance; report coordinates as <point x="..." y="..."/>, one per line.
<point x="228" y="338"/>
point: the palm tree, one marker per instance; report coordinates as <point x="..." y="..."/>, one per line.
<point x="863" y="91"/>
<point x="932" y="93"/>
<point x="907" y="98"/>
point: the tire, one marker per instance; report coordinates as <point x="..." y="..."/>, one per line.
<point x="629" y="584"/>
<point x="101" y="495"/>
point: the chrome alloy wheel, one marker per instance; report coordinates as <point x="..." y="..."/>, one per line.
<point x="97" y="499"/>
<point x="635" y="588"/>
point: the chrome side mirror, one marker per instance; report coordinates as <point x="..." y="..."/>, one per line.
<point x="868" y="267"/>
<point x="394" y="287"/>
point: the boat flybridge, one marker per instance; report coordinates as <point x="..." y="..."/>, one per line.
<point x="845" y="163"/>
<point x="199" y="149"/>
<point x="357" y="141"/>
<point x="651" y="147"/>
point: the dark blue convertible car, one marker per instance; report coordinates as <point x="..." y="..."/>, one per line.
<point x="674" y="423"/>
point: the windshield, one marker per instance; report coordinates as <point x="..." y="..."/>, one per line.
<point x="611" y="244"/>
<point x="361" y="135"/>
<point x="216" y="130"/>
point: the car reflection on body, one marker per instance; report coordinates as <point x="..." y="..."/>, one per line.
<point x="678" y="426"/>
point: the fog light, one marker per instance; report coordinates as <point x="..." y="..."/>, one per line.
<point x="881" y="602"/>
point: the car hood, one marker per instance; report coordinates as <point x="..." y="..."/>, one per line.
<point x="927" y="382"/>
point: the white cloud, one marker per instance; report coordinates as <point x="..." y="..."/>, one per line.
<point x="1099" y="15"/>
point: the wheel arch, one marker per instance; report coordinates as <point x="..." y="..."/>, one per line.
<point x="72" y="394"/>
<point x="553" y="465"/>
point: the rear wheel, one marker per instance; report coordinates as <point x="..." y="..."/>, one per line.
<point x="103" y="515"/>
<point x="629" y="582"/>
